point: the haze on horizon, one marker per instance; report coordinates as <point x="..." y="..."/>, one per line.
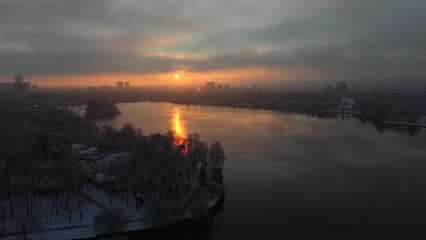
<point x="272" y="42"/>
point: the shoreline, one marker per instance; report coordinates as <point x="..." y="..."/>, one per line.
<point x="369" y="117"/>
<point x="214" y="204"/>
<point x="41" y="233"/>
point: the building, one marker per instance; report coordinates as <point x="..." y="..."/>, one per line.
<point x="219" y="87"/>
<point x="19" y="79"/>
<point x="210" y="85"/>
<point x="6" y="86"/>
<point x="120" y="85"/>
<point x="347" y="105"/>
<point x="126" y="84"/>
<point x="328" y="88"/>
<point x="18" y="86"/>
<point x="82" y="151"/>
<point x="226" y="87"/>
<point x="342" y="88"/>
<point x="253" y="86"/>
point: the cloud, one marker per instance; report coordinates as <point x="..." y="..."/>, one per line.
<point x="347" y="39"/>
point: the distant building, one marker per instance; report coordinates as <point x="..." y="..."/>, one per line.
<point x="27" y="85"/>
<point x="20" y="86"/>
<point x="120" y="84"/>
<point x="126" y="84"/>
<point x="328" y="88"/>
<point x="104" y="88"/>
<point x="219" y="87"/>
<point x="6" y="86"/>
<point x="83" y="151"/>
<point x="342" y="88"/>
<point x="19" y="79"/>
<point x="210" y="85"/>
<point x="347" y="105"/>
<point x="253" y="86"/>
<point x="226" y="87"/>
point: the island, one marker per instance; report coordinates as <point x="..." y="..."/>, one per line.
<point x="101" y="108"/>
<point x="62" y="177"/>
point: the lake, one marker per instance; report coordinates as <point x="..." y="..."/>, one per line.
<point x="295" y="176"/>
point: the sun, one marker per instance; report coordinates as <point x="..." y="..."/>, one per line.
<point x="177" y="76"/>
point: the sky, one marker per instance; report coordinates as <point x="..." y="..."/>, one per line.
<point x="281" y="43"/>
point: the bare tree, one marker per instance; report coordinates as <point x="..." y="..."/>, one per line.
<point x="193" y="151"/>
<point x="110" y="220"/>
<point x="25" y="224"/>
<point x="216" y="161"/>
<point x="205" y="161"/>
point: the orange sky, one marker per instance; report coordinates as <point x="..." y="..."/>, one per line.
<point x="187" y="78"/>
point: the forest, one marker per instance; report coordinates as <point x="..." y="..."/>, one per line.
<point x="159" y="178"/>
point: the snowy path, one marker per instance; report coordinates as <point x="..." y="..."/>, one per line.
<point x="84" y="231"/>
<point x="103" y="200"/>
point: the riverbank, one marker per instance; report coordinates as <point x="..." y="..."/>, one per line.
<point x="361" y="116"/>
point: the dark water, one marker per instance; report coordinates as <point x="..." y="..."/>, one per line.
<point x="294" y="176"/>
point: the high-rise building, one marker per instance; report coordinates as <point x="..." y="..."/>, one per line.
<point x="342" y="88"/>
<point x="19" y="79"/>
<point x="226" y="86"/>
<point x="20" y="86"/>
<point x="210" y="85"/>
<point x="126" y="84"/>
<point x="27" y="85"/>
<point x="119" y="84"/>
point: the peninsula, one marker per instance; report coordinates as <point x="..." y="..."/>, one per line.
<point x="62" y="177"/>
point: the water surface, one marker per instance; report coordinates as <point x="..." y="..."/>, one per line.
<point x="291" y="175"/>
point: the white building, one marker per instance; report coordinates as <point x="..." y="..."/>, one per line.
<point x="346" y="105"/>
<point x="82" y="150"/>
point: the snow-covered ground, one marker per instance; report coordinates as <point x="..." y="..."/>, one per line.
<point x="97" y="200"/>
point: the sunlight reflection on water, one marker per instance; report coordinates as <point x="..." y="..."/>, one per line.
<point x="177" y="123"/>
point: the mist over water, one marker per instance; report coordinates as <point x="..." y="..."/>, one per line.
<point x="290" y="175"/>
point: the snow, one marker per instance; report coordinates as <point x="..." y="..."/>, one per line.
<point x="96" y="201"/>
<point x="89" y="151"/>
<point x="84" y="150"/>
<point x="56" y="234"/>
<point x="78" y="146"/>
<point x="103" y="163"/>
<point x="100" y="177"/>
<point x="108" y="202"/>
<point x="58" y="227"/>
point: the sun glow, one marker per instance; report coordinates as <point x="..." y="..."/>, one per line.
<point x="177" y="76"/>
<point x="177" y="123"/>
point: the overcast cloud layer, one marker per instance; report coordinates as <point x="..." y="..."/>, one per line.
<point x="382" y="41"/>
